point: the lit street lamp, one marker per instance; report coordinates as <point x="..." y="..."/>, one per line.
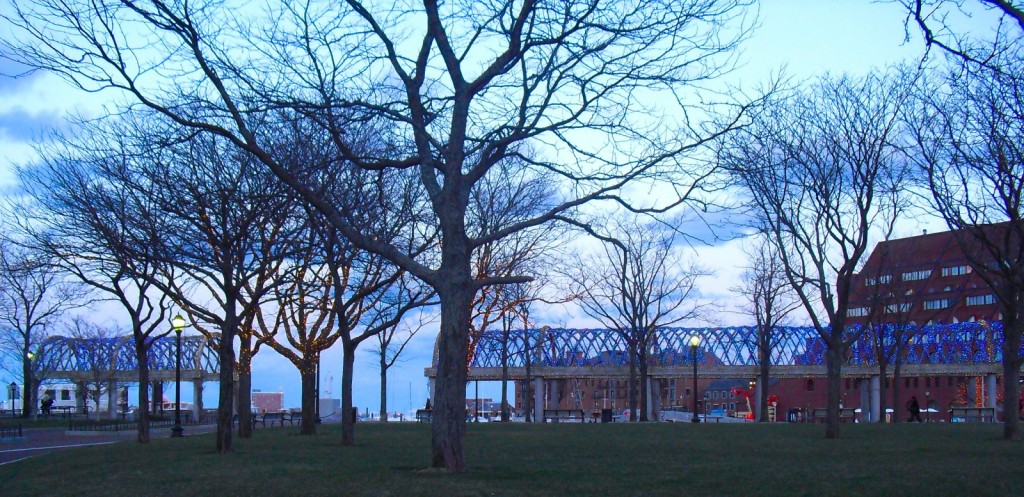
<point x="927" y="407"/>
<point x="178" y="324"/>
<point x="694" y="342"/>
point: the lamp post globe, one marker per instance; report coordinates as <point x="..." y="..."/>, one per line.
<point x="694" y="342"/>
<point x="177" y="324"/>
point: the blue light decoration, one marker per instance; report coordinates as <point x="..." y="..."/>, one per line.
<point x="960" y="343"/>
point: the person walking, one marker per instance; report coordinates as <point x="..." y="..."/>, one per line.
<point x="915" y="409"/>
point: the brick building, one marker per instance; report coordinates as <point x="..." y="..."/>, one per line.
<point x="267" y="401"/>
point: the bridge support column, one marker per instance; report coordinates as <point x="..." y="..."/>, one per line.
<point x="556" y="394"/>
<point x="990" y="391"/>
<point x="538" y="400"/>
<point x="876" y="399"/>
<point x="197" y="399"/>
<point x="112" y="399"/>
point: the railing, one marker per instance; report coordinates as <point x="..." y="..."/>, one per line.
<point x="13" y="431"/>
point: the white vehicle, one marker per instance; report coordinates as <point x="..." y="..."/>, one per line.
<point x="65" y="398"/>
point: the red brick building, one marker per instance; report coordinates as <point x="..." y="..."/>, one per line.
<point x="268" y="401"/>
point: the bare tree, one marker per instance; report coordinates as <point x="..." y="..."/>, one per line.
<point x="33" y="297"/>
<point x="941" y="22"/>
<point x="969" y="133"/>
<point x="638" y="282"/>
<point x="770" y="299"/>
<point x="825" y="175"/>
<point x="573" y="78"/>
<point x="390" y="344"/>
<point x="82" y="220"/>
<point x="91" y="344"/>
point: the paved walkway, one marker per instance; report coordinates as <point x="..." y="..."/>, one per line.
<point x="38" y="441"/>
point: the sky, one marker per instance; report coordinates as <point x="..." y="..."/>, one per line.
<point x="802" y="38"/>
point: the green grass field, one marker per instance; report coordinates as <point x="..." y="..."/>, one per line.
<point x="555" y="459"/>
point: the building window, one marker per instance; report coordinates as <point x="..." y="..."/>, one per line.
<point x="928" y="382"/>
<point x="981" y="299"/>
<point x="938" y="303"/>
<point x="950" y="381"/>
<point x="65" y="394"/>
<point x="884" y="279"/>
<point x="904" y="307"/>
<point x="714" y="394"/>
<point x="917" y="275"/>
<point x="906" y="382"/>
<point x="915" y="382"/>
<point x="956" y="270"/>
<point x="857" y="312"/>
<point x="810" y="385"/>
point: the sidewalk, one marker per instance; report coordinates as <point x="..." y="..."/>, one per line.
<point x="38" y="441"/>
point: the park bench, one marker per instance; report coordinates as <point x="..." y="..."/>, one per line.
<point x="846" y="414"/>
<point x="556" y="415"/>
<point x="253" y="419"/>
<point x="424" y="415"/>
<point x="972" y="414"/>
<point x="274" y="418"/>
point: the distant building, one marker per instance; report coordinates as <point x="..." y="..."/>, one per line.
<point x="922" y="280"/>
<point x="267" y="401"/>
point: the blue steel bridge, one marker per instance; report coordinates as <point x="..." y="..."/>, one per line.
<point x="961" y="349"/>
<point x="113" y="359"/>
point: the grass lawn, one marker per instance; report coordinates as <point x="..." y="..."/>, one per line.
<point x="554" y="459"/>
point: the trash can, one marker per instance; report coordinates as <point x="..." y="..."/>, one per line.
<point x="606" y="415"/>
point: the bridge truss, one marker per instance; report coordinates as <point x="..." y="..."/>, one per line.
<point x="970" y="348"/>
<point x="113" y="359"/>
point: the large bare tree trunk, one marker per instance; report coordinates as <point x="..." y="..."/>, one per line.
<point x="348" y="417"/>
<point x="141" y="357"/>
<point x="308" y="374"/>
<point x="1013" y="328"/>
<point x="383" y="388"/>
<point x="244" y="395"/>
<point x="448" y="424"/>
<point x="834" y="371"/>
<point x="28" y="396"/>
<point x="226" y="355"/>
<point x="762" y="402"/>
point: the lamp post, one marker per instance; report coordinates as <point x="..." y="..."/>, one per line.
<point x="178" y="324"/>
<point x="694" y="342"/>
<point x="927" y="407"/>
<point x="28" y="397"/>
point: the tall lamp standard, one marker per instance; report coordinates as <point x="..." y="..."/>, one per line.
<point x="927" y="407"/>
<point x="694" y="342"/>
<point x="178" y="324"/>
